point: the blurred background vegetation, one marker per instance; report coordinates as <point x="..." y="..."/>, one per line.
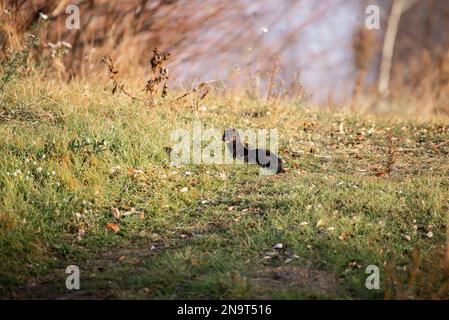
<point x="320" y="50"/>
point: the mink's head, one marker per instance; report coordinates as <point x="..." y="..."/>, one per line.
<point x="230" y="135"/>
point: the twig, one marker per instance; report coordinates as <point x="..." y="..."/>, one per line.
<point x="115" y="84"/>
<point x="188" y="93"/>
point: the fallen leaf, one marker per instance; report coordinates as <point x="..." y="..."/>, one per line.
<point x="343" y="236"/>
<point x="320" y="223"/>
<point x="131" y="211"/>
<point x="113" y="227"/>
<point x="134" y="172"/>
<point x="115" y="169"/>
<point x="116" y="213"/>
<point x="407" y="237"/>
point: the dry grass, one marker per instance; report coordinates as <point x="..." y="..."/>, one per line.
<point x="107" y="151"/>
<point x="128" y="32"/>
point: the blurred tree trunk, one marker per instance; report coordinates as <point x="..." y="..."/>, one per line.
<point x="399" y="7"/>
<point x="388" y="47"/>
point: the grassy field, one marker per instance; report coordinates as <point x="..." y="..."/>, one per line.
<point x="84" y="181"/>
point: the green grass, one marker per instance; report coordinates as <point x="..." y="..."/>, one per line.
<point x="71" y="152"/>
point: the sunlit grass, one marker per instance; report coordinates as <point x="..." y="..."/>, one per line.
<point x="72" y="152"/>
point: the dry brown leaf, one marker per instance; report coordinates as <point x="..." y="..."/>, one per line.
<point x="113" y="227"/>
<point x="130" y="212"/>
<point x="407" y="237"/>
<point x="320" y="223"/>
<point x="134" y="172"/>
<point x="116" y="213"/>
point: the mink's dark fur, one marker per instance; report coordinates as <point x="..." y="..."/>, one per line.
<point x="262" y="157"/>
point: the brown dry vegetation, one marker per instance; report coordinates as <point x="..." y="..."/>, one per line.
<point x="196" y="34"/>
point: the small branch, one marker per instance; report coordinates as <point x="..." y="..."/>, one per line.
<point x="188" y="93"/>
<point x="115" y="84"/>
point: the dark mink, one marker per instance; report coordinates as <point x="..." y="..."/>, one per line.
<point x="262" y="157"/>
